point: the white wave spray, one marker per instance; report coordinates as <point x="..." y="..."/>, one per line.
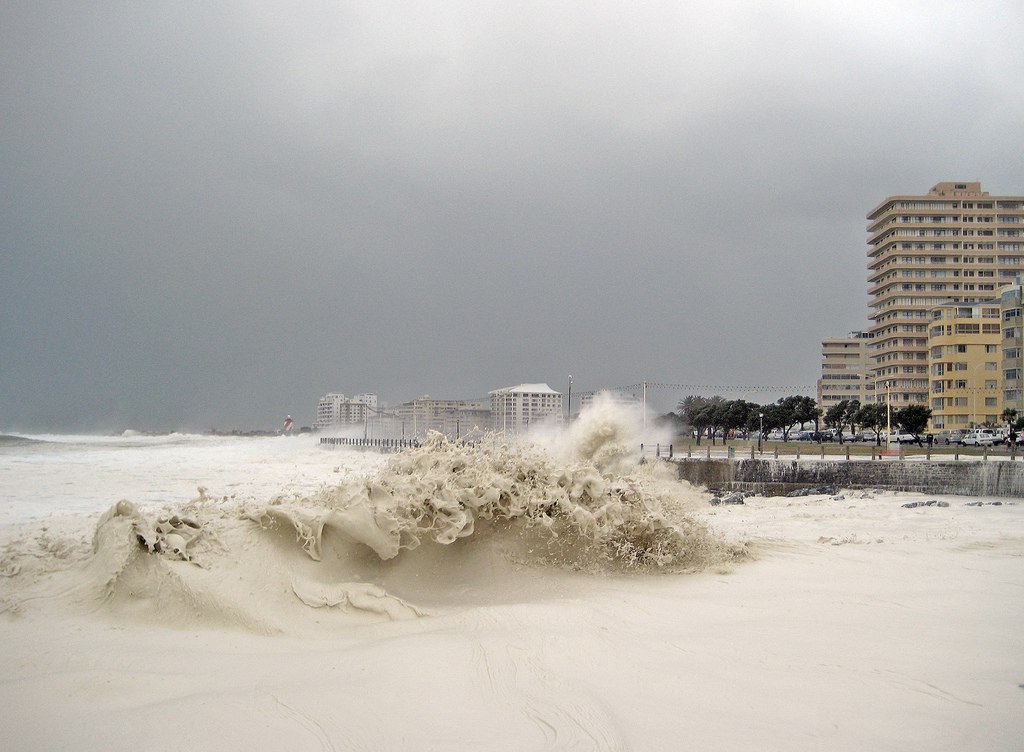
<point x="431" y="520"/>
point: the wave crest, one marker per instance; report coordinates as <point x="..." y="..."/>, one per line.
<point x="442" y="492"/>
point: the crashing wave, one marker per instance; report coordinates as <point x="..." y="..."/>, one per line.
<point x="440" y="524"/>
<point x="443" y="492"/>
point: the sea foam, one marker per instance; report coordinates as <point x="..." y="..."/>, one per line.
<point x="446" y="517"/>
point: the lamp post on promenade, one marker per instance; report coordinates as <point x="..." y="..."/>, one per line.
<point x="568" y="403"/>
<point x="888" y="416"/>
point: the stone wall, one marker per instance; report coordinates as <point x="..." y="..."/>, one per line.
<point x="776" y="477"/>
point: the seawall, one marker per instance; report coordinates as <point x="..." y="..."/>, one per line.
<point x="773" y="477"/>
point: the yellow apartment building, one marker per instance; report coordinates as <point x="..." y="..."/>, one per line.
<point x="964" y="364"/>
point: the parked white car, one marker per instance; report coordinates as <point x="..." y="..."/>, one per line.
<point x="979" y="437"/>
<point x="900" y="437"/>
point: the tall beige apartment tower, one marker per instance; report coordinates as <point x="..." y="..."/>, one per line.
<point x="957" y="243"/>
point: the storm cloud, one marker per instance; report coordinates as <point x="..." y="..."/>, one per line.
<point x="213" y="213"/>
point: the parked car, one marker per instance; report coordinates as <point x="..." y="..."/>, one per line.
<point x="902" y="437"/>
<point x="865" y="436"/>
<point x="949" y="436"/>
<point x="979" y="437"/>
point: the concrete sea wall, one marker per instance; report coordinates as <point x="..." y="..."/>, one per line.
<point x="776" y="477"/>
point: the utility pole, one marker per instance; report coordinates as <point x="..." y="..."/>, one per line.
<point x="645" y="408"/>
<point x="568" y="403"/>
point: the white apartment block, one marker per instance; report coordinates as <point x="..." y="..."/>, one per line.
<point x="956" y="243"/>
<point x="609" y="397"/>
<point x="845" y="375"/>
<point x="336" y="409"/>
<point x="515" y="408"/>
<point x="453" y="418"/>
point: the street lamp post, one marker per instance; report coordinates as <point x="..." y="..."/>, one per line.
<point x="568" y="403"/>
<point x="888" y="416"/>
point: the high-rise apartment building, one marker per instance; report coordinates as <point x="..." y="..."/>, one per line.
<point x="844" y="370"/>
<point x="957" y="243"/>
<point x="453" y="418"/>
<point x="1011" y="305"/>
<point x="515" y="408"/>
<point x="964" y="362"/>
<point x="336" y="409"/>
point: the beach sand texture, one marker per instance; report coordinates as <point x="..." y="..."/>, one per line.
<point x="505" y="598"/>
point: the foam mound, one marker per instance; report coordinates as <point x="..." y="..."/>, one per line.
<point x="443" y="492"/>
<point x="440" y="524"/>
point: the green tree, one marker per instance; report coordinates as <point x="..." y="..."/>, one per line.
<point x="805" y="410"/>
<point x="702" y="419"/>
<point x="672" y="421"/>
<point x="798" y="409"/>
<point x="914" y="419"/>
<point x="874" y="417"/>
<point x="775" y="418"/>
<point x="735" y="415"/>
<point x="852" y="408"/>
<point x="689" y="406"/>
<point x="835" y="416"/>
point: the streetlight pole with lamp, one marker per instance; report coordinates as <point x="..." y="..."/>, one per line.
<point x="888" y="416"/>
<point x="568" y="403"/>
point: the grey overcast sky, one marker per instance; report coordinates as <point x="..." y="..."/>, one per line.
<point x="212" y="213"/>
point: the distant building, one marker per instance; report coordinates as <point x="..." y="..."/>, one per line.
<point x="453" y="418"/>
<point x="964" y="365"/>
<point x="611" y="397"/>
<point x="336" y="409"/>
<point x="1011" y="302"/>
<point x="515" y="408"/>
<point x="845" y="373"/>
<point x="956" y="243"/>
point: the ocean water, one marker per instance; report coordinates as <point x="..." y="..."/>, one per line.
<point x="46" y="475"/>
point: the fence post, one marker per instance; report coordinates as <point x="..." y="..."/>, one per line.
<point x="670" y="451"/>
<point x="776" y="451"/>
<point x="847" y="453"/>
<point x="798" y="452"/>
<point x="657" y="450"/>
<point x="751" y="451"/>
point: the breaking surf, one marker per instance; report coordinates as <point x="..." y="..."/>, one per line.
<point x="436" y="526"/>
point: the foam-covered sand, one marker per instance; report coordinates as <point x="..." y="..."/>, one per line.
<point x="509" y="597"/>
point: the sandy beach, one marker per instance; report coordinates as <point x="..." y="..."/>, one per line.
<point x="845" y="622"/>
